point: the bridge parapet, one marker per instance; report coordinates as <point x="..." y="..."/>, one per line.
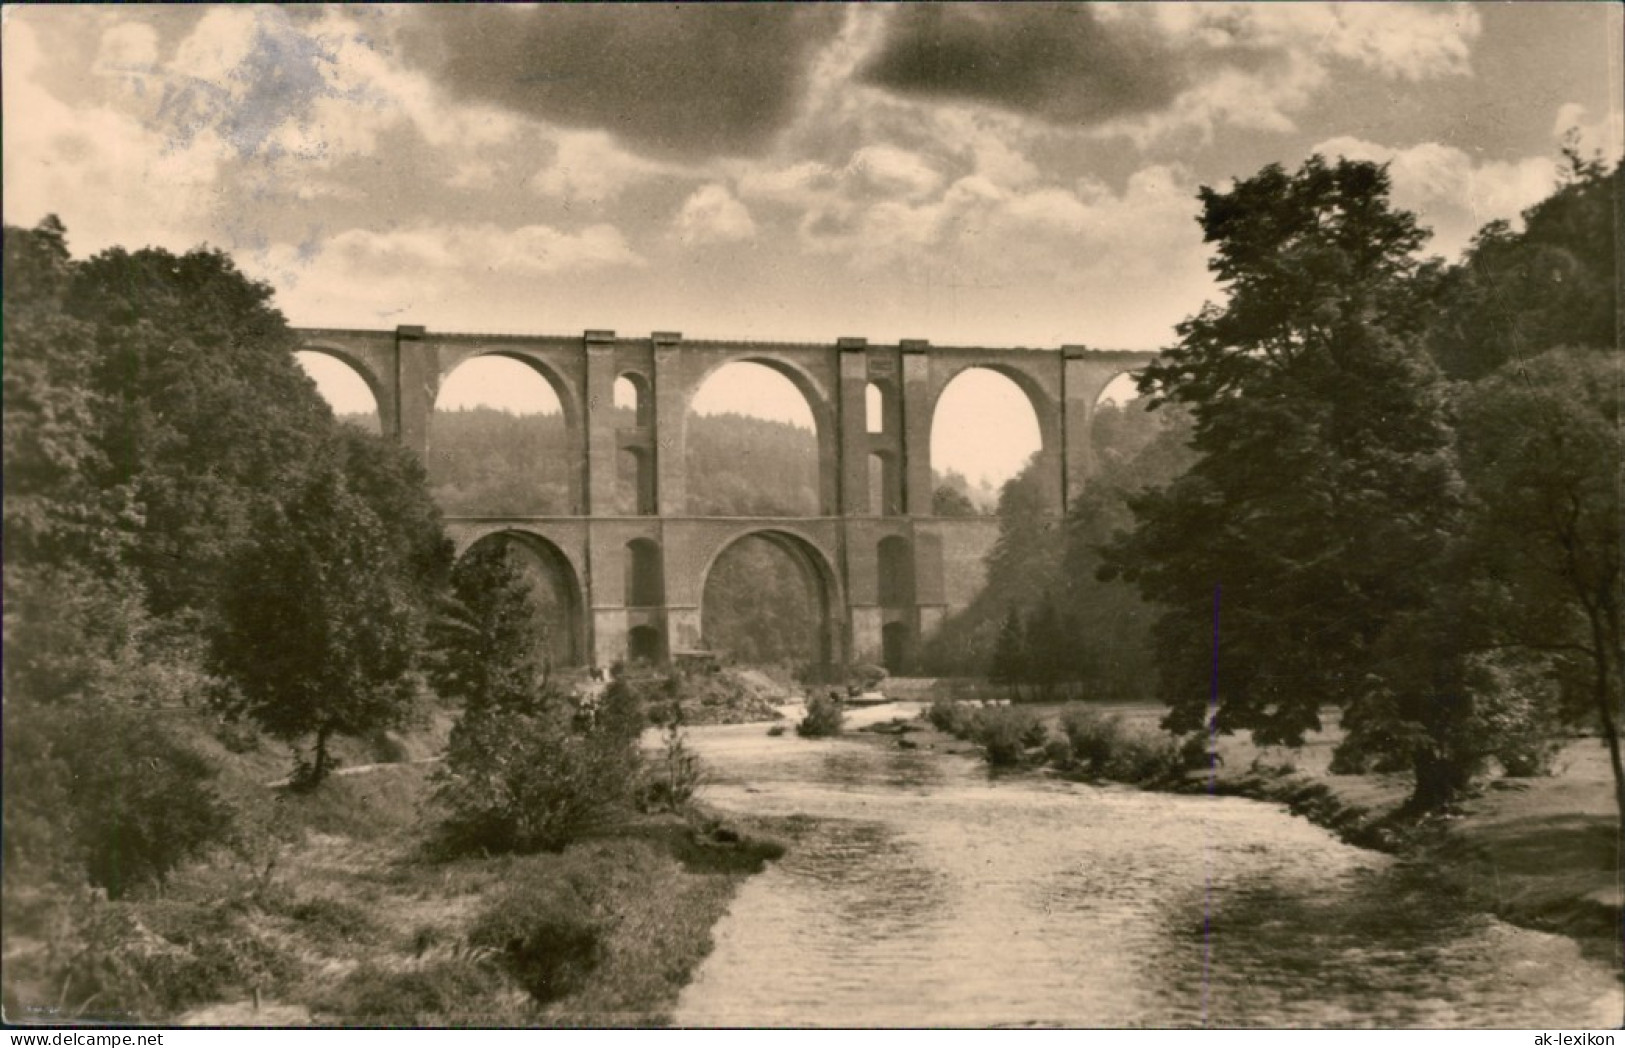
<point x="405" y="368"/>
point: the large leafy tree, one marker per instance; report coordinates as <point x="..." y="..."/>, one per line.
<point x="165" y="456"/>
<point x="1324" y="487"/>
<point x="1540" y="445"/>
<point x="325" y="614"/>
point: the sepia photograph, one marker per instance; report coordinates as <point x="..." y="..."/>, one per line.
<point x="785" y="516"/>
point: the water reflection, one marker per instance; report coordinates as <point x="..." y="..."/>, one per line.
<point x="931" y="895"/>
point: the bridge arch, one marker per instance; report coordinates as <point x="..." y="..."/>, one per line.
<point x="815" y="566"/>
<point x="564" y="610"/>
<point x="819" y="401"/>
<point x="562" y="390"/>
<point x="1042" y="402"/>
<point x="364" y="369"/>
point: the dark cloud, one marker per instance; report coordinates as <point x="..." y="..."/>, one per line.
<point x="1058" y="61"/>
<point x="684" y="80"/>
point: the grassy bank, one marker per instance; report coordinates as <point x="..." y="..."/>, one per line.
<point x="334" y="908"/>
<point x="1540" y="852"/>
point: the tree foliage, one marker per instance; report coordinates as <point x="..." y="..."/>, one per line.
<point x="1324" y="488"/>
<point x="175" y="486"/>
<point x="1552" y="283"/>
<point x="490" y="638"/>
<point x="1540" y="445"/>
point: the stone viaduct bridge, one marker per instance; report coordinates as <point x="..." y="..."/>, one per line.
<point x="886" y="570"/>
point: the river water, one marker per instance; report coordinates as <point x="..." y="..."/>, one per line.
<point x="922" y="892"/>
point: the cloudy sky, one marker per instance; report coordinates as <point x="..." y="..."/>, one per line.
<point x="970" y="174"/>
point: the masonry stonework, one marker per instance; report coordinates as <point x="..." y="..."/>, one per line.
<point x="886" y="569"/>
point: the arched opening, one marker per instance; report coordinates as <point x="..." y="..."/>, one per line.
<point x="645" y="586"/>
<point x="643" y="645"/>
<point x="895" y="572"/>
<point x="885" y="486"/>
<point x="1121" y="424"/>
<point x="633" y="406"/>
<point x="555" y="590"/>
<point x="768" y="599"/>
<point x="894" y="647"/>
<point x="984" y="433"/>
<point x="344" y="389"/>
<point x="874" y="403"/>
<point x="752" y="446"/>
<point x="634" y="482"/>
<point x="500" y="445"/>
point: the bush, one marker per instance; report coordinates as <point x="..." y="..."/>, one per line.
<point x="1105" y="748"/>
<point x="824" y="718"/>
<point x="1092" y="736"/>
<point x="1143" y="758"/>
<point x="1058" y="752"/>
<point x="151" y="963"/>
<point x="671" y="779"/>
<point x="545" y="935"/>
<point x="128" y="811"/>
<point x="1004" y="731"/>
<point x="952" y="717"/>
<point x="1516" y="715"/>
<point x="519" y="781"/>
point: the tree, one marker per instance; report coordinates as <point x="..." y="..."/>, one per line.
<point x="490" y="640"/>
<point x="1324" y="492"/>
<point x="1111" y="643"/>
<point x="1519" y="293"/>
<point x="1009" y="664"/>
<point x="1540" y="446"/>
<point x="948" y="501"/>
<point x="324" y="618"/>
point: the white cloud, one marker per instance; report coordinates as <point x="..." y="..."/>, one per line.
<point x="888" y="170"/>
<point x="363" y="273"/>
<point x="1453" y="193"/>
<point x="589" y="167"/>
<point x="112" y="180"/>
<point x="712" y="215"/>
<point x="1603" y="134"/>
<point x="1260" y="65"/>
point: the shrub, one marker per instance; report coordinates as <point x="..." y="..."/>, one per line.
<point x="142" y="804"/>
<point x="1144" y="758"/>
<point x="776" y="730"/>
<point x="521" y="781"/>
<point x="1003" y="732"/>
<point x="1092" y="736"/>
<point x="1058" y="752"/>
<point x="124" y="963"/>
<point x="1105" y="748"/>
<point x="952" y="717"/>
<point x="545" y="935"/>
<point x="671" y="779"/>
<point x="824" y="718"/>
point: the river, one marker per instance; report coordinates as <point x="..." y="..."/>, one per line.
<point x="924" y="892"/>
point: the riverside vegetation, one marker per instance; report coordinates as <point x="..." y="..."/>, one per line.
<point x="1369" y="510"/>
<point x="1397" y="507"/>
<point x="206" y="572"/>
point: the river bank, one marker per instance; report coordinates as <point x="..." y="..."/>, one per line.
<point x="924" y="890"/>
<point x="1541" y="853"/>
<point x="334" y="908"/>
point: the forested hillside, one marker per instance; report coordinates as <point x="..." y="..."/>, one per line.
<point x="489" y="462"/>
